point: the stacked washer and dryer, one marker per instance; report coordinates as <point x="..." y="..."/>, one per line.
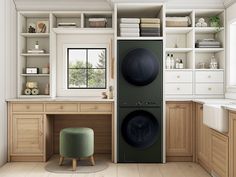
<point x="140" y="100"/>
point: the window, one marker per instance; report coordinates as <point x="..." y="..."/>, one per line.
<point x="232" y="55"/>
<point x="86" y="68"/>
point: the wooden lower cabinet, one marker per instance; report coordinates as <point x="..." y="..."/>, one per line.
<point x="232" y="144"/>
<point x="179" y="131"/>
<point x="27" y="136"/>
<point x="219" y="154"/>
<point x="203" y="140"/>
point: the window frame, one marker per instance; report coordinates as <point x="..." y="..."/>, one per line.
<point x="86" y="68"/>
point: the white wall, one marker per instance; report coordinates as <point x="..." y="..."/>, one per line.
<point x="7" y="68"/>
<point x="230" y="15"/>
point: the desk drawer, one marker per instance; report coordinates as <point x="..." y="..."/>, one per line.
<point x="61" y="107"/>
<point x="174" y="89"/>
<point x="206" y="89"/>
<point x="27" y="107"/>
<point x="96" y="107"/>
<point x="178" y="76"/>
<point x="210" y="76"/>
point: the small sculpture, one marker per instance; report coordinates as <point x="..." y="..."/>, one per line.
<point x="31" y="29"/>
<point x="31" y="88"/>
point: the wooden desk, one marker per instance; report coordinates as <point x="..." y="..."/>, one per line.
<point x="34" y="126"/>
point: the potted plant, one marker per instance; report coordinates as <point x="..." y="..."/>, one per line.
<point x="214" y="21"/>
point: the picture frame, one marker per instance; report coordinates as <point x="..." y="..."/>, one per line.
<point x="42" y="27"/>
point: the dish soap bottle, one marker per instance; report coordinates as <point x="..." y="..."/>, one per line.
<point x="172" y="61"/>
<point x="168" y="61"/>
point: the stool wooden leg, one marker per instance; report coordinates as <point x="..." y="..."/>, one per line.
<point x="92" y="160"/>
<point x="61" y="160"/>
<point x="74" y="164"/>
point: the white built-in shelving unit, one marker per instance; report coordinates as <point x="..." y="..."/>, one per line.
<point x="193" y="82"/>
<point x="47" y="41"/>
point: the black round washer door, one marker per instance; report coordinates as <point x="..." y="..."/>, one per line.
<point x="140" y="129"/>
<point x="140" y="67"/>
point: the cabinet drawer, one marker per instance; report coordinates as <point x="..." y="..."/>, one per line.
<point x="63" y="107"/>
<point x="210" y="76"/>
<point x="27" y="107"/>
<point x="203" y="89"/>
<point x="185" y="89"/>
<point x="179" y="76"/>
<point x="95" y="107"/>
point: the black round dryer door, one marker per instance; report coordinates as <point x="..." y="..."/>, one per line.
<point x="140" y="129"/>
<point x="140" y="67"/>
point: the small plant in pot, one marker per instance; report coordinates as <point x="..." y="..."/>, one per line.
<point x="215" y="21"/>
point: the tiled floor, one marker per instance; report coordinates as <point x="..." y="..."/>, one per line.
<point x="173" y="169"/>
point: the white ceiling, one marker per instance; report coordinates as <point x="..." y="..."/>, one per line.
<point x="108" y="4"/>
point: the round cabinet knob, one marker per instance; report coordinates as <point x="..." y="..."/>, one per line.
<point x="27" y="107"/>
<point x="209" y="88"/>
<point x="61" y="107"/>
<point x="178" y="88"/>
<point x="178" y="76"/>
<point x="209" y="76"/>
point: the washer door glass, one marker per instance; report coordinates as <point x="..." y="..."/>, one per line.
<point x="140" y="67"/>
<point x="140" y="129"/>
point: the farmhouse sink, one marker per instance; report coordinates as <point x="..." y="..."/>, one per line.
<point x="216" y="117"/>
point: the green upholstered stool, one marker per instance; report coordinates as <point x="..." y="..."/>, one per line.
<point x="76" y="143"/>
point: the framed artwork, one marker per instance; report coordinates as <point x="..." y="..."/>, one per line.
<point x="42" y="27"/>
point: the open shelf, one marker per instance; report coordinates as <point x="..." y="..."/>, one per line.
<point x="35" y="55"/>
<point x="140" y="38"/>
<point x="204" y="50"/>
<point x="178" y="30"/>
<point x="35" y="35"/>
<point x="179" y="49"/>
<point x="208" y="29"/>
<point x="83" y="30"/>
<point x="35" y="75"/>
<point x="34" y="96"/>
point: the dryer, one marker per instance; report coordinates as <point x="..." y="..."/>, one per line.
<point x="140" y="96"/>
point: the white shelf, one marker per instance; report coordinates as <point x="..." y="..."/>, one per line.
<point x="35" y="35"/>
<point x="179" y="49"/>
<point x="83" y="30"/>
<point x="203" y="50"/>
<point x="140" y="38"/>
<point x="35" y="75"/>
<point x="35" y="55"/>
<point x="187" y="69"/>
<point x="34" y="96"/>
<point x="208" y="29"/>
<point x="209" y="69"/>
<point x="178" y="30"/>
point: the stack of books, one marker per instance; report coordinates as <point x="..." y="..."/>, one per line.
<point x="207" y="43"/>
<point x="129" y="27"/>
<point x="150" y="27"/>
<point x="66" y="25"/>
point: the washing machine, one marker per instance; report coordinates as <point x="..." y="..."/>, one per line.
<point x="140" y="98"/>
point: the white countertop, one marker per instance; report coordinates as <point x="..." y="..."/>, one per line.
<point x="60" y="99"/>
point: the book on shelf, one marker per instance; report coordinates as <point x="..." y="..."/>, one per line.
<point x="68" y="25"/>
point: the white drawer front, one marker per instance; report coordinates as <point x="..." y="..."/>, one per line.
<point x="209" y="89"/>
<point x="179" y="76"/>
<point x="210" y="76"/>
<point x="174" y="89"/>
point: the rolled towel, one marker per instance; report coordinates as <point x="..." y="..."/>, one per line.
<point x="204" y="24"/>
<point x="198" y="24"/>
<point x="201" y="20"/>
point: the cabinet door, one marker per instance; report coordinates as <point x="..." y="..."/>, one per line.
<point x="179" y="129"/>
<point x="232" y="144"/>
<point x="203" y="134"/>
<point x="219" y="154"/>
<point x="27" y="134"/>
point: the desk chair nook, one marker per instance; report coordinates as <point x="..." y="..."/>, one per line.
<point x="76" y="143"/>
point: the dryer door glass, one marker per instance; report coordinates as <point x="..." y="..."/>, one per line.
<point x="139" y="129"/>
<point x="140" y="67"/>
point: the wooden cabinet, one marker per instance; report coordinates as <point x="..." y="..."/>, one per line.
<point x="179" y="131"/>
<point x="219" y="154"/>
<point x="203" y="138"/>
<point x="27" y="134"/>
<point x="232" y="144"/>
